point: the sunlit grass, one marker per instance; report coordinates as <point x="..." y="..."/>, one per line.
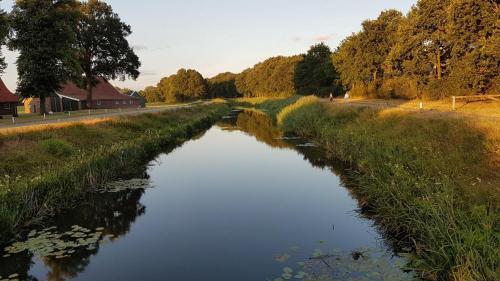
<point x="431" y="183"/>
<point x="307" y="100"/>
<point x="46" y="168"/>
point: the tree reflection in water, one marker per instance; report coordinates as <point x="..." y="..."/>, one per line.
<point x="113" y="211"/>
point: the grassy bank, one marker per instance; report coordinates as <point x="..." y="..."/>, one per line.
<point x="431" y="184"/>
<point x="44" y="171"/>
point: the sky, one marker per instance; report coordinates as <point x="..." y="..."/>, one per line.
<point x="214" y="36"/>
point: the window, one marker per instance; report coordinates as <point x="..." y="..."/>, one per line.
<point x="117" y="102"/>
<point x="6" y="106"/>
<point x="98" y="102"/>
<point x="131" y="102"/>
<point x="124" y="102"/>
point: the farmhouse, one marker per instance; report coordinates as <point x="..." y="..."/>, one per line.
<point x="71" y="98"/>
<point x="142" y="100"/>
<point x="8" y="101"/>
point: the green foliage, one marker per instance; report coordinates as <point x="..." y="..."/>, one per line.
<point x="152" y="94"/>
<point x="360" y="57"/>
<point x="223" y="85"/>
<point x="186" y="85"/>
<point x="424" y="182"/>
<point x="103" y="47"/>
<point x="58" y="147"/>
<point x="44" y="34"/>
<point x="4" y="32"/>
<point x="441" y="48"/>
<point x="315" y="74"/>
<point x="272" y="78"/>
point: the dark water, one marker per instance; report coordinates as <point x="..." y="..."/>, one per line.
<point x="237" y="203"/>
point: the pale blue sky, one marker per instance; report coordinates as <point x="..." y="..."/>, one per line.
<point x="215" y="36"/>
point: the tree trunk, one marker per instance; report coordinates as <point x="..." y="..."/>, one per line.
<point x="43" y="109"/>
<point x="438" y="63"/>
<point x="89" y="92"/>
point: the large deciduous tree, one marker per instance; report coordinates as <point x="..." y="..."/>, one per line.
<point x="423" y="49"/>
<point x="186" y="85"/>
<point x="315" y="74"/>
<point x="474" y="31"/>
<point x="4" y="32"/>
<point x="104" y="49"/>
<point x="152" y="94"/>
<point x="273" y="77"/>
<point x="223" y="85"/>
<point x="43" y="31"/>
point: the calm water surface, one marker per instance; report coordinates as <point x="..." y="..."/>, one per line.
<point x="237" y="203"/>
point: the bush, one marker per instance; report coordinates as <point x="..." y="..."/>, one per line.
<point x="58" y="148"/>
<point x="398" y="87"/>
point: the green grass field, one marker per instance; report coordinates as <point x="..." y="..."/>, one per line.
<point x="430" y="184"/>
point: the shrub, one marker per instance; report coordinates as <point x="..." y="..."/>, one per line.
<point x="399" y="87"/>
<point x="58" y="148"/>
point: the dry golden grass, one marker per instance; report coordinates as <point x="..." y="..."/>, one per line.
<point x="484" y="108"/>
<point x="254" y="101"/>
<point x="43" y="127"/>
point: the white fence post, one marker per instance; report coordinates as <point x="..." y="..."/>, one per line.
<point x="454" y="107"/>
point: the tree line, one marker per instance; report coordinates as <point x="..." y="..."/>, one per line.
<point x="311" y="73"/>
<point x="440" y="48"/>
<point x="66" y="40"/>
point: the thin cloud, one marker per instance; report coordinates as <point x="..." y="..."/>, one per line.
<point x="323" y="38"/>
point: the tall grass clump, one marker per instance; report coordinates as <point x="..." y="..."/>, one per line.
<point x="430" y="184"/>
<point x="37" y="181"/>
<point x="303" y="101"/>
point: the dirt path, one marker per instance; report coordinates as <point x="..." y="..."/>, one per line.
<point x="66" y="119"/>
<point x="430" y="110"/>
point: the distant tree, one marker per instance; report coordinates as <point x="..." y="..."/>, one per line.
<point x="4" y="32"/>
<point x="43" y="31"/>
<point x="104" y="49"/>
<point x="152" y="94"/>
<point x="271" y="78"/>
<point x="315" y="74"/>
<point x="223" y="86"/>
<point x="186" y="85"/>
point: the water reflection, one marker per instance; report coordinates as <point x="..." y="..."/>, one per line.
<point x="226" y="207"/>
<point x="112" y="213"/>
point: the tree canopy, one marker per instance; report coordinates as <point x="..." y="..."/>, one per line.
<point x="186" y="85"/>
<point x="152" y="94"/>
<point x="272" y="78"/>
<point x="4" y="32"/>
<point x="43" y="31"/>
<point x="441" y="48"/>
<point x="315" y="74"/>
<point x="104" y="49"/>
<point x="223" y="85"/>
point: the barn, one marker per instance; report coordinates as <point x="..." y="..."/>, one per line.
<point x="71" y="98"/>
<point x="8" y="101"/>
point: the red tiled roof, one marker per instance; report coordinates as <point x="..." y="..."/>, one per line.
<point x="102" y="91"/>
<point x="5" y="94"/>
